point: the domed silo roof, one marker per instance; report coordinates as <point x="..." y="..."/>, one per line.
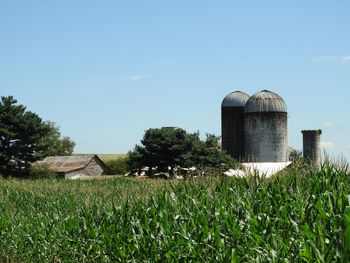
<point x="265" y="101"/>
<point x="232" y="123"/>
<point x="235" y="99"/>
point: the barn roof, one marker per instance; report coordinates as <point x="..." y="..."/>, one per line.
<point x="67" y="163"/>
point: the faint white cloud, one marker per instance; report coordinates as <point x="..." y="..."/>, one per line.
<point x="136" y="77"/>
<point x="347" y="147"/>
<point x="328" y="124"/>
<point x="344" y="59"/>
<point x="327" y="145"/>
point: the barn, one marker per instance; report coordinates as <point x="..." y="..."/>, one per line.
<point x="74" y="166"/>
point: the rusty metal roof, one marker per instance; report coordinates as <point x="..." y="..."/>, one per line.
<point x="66" y="163"/>
<point x="235" y="99"/>
<point x="265" y="101"/>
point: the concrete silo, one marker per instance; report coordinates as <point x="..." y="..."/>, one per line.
<point x="312" y="146"/>
<point x="265" y="128"/>
<point x="232" y="123"/>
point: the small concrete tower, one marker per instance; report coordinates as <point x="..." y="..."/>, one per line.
<point x="311" y="146"/>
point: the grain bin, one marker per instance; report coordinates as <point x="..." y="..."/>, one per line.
<point x="265" y="125"/>
<point x="232" y="123"/>
<point x="311" y="146"/>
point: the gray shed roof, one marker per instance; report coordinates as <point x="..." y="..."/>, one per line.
<point x="265" y="101"/>
<point x="235" y="99"/>
<point x="67" y="163"/>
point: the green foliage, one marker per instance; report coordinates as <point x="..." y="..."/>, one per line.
<point x="175" y="147"/>
<point x="41" y="172"/>
<point x="298" y="162"/>
<point x="25" y="138"/>
<point x="296" y="156"/>
<point x="117" y="167"/>
<point x="207" y="154"/>
<point x="161" y="147"/>
<point x="20" y="134"/>
<point x="53" y="143"/>
<point x="295" y="217"/>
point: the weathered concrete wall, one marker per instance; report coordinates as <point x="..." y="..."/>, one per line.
<point x="266" y="137"/>
<point x="312" y="146"/>
<point x="232" y="131"/>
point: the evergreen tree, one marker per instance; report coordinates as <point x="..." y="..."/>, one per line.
<point x="175" y="147"/>
<point x="25" y="138"/>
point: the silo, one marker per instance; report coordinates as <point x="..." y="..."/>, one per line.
<point x="311" y="146"/>
<point x="265" y="128"/>
<point x="232" y="123"/>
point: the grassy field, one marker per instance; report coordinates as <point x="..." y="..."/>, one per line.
<point x="301" y="216"/>
<point x="108" y="157"/>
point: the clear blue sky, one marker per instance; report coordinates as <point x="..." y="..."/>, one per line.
<point x="105" y="71"/>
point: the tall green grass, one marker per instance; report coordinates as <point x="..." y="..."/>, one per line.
<point x="301" y="215"/>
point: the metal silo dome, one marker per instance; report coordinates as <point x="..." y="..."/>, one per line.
<point x="265" y="128"/>
<point x="232" y="123"/>
<point x="235" y="99"/>
<point x="265" y="101"/>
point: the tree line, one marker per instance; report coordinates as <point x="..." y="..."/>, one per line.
<point x="26" y="138"/>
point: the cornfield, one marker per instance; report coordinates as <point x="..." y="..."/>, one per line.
<point x="300" y="215"/>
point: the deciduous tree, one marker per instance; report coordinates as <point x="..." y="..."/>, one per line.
<point x="53" y="144"/>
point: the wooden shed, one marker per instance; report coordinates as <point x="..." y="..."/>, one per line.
<point x="74" y="166"/>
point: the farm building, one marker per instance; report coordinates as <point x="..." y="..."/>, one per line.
<point x="74" y="166"/>
<point x="254" y="129"/>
